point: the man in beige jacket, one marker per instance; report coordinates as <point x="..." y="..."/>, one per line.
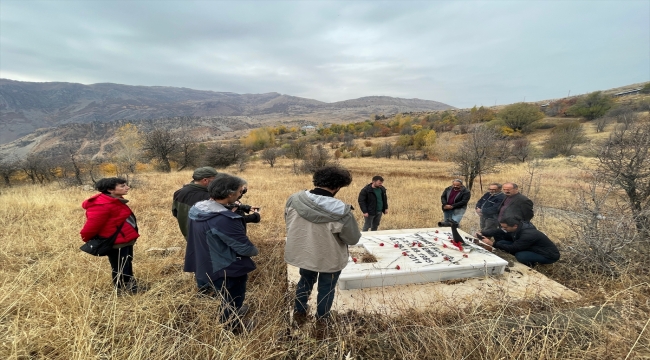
<point x="319" y="230"/>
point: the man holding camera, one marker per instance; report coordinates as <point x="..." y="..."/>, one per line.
<point x="373" y="203"/>
<point x="250" y="214"/>
<point x="454" y="202"/>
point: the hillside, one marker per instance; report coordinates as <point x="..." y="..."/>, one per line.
<point x="27" y="106"/>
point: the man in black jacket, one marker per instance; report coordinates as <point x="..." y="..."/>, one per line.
<point x="515" y="204"/>
<point x="454" y="201"/>
<point x="487" y="208"/>
<point x="529" y="245"/>
<point x="190" y="194"/>
<point x="373" y="203"/>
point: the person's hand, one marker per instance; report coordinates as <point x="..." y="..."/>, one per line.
<point x="255" y="209"/>
<point x="487" y="241"/>
<point x="385" y="211"/>
<point x="365" y="214"/>
<point x="447" y="207"/>
<point x="478" y="211"/>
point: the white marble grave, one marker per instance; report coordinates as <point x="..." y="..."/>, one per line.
<point x="411" y="256"/>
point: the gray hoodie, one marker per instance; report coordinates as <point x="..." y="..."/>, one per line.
<point x="319" y="230"/>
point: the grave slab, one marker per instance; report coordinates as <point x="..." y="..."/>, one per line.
<point x="432" y="273"/>
<point x="413" y="256"/>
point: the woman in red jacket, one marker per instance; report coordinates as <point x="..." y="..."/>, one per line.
<point x="105" y="212"/>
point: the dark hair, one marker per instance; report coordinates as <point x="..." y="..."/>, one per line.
<point x="105" y="184"/>
<point x="224" y="185"/>
<point x="511" y="221"/>
<point x="497" y="184"/>
<point x="377" y="177"/>
<point x="332" y="177"/>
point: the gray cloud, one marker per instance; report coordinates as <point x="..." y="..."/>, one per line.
<point x="462" y="52"/>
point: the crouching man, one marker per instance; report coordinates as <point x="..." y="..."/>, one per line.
<point x="218" y="250"/>
<point x="319" y="230"/>
<point x="529" y="245"/>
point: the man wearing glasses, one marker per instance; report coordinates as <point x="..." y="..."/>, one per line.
<point x="487" y="208"/>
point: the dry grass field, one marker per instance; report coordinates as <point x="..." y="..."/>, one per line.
<point x="57" y="302"/>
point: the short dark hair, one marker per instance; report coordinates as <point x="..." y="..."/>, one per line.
<point x="332" y="177"/>
<point x="511" y="221"/>
<point x="105" y="184"/>
<point x="497" y="184"/>
<point x="377" y="177"/>
<point x="224" y="185"/>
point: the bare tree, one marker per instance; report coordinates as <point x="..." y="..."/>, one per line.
<point x="398" y="150"/>
<point x="601" y="235"/>
<point x="242" y="162"/>
<point x="270" y="155"/>
<point x="297" y="149"/>
<point x="521" y="149"/>
<point x="35" y="167"/>
<point x="128" y="151"/>
<point x="160" y="144"/>
<point x="8" y="166"/>
<point x="224" y="155"/>
<point x="188" y="151"/>
<point x="70" y="159"/>
<point x="625" y="159"/>
<point x="601" y="123"/>
<point x="318" y="157"/>
<point x="383" y="150"/>
<point x="563" y="139"/>
<point x="476" y="155"/>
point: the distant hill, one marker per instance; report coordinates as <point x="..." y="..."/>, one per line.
<point x="28" y="106"/>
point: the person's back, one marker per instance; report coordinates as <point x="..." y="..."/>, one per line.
<point x="319" y="230"/>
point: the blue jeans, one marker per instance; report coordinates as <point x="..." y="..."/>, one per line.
<point x="455" y="214"/>
<point x="530" y="258"/>
<point x="372" y="222"/>
<point x="231" y="290"/>
<point x="326" y="290"/>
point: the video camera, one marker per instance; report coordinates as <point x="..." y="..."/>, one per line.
<point x="243" y="207"/>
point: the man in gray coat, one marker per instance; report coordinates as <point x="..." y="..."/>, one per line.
<point x="319" y="230"/>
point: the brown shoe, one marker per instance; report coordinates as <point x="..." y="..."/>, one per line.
<point x="322" y="329"/>
<point x="300" y="318"/>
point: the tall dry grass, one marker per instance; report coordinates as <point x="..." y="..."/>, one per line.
<point x="58" y="303"/>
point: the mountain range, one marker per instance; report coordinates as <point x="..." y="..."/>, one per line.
<point x="28" y="106"/>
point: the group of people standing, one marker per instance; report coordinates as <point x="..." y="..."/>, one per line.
<point x="505" y="216"/>
<point x="319" y="230"/>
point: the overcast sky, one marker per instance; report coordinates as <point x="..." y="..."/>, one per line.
<point x="462" y="53"/>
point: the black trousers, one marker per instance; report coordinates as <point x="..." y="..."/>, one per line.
<point x="121" y="266"/>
